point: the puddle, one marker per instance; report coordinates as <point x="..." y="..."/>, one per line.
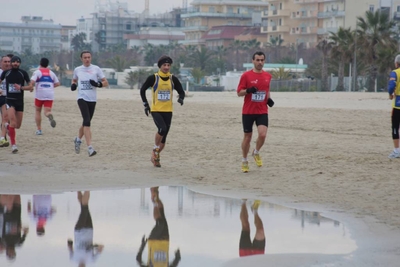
<point x="206" y="229"/>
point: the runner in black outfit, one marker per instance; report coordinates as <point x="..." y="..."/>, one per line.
<point x="17" y="81"/>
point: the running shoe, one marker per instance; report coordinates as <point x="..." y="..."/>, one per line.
<point x="4" y="143"/>
<point x="39" y="132"/>
<point x="14" y="149"/>
<point x="245" y="166"/>
<point x="155" y="157"/>
<point x="255" y="205"/>
<point x="394" y="155"/>
<point x="257" y="158"/>
<point x="77" y="145"/>
<point x="52" y="121"/>
<point x="91" y="151"/>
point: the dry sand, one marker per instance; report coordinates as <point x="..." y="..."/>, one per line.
<point x="325" y="152"/>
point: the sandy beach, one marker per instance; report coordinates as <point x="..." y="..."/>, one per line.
<point x="325" y="152"/>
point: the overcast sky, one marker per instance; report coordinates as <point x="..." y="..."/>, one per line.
<point x="67" y="11"/>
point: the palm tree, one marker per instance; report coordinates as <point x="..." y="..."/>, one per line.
<point x="119" y="63"/>
<point x="274" y="47"/>
<point x="130" y="79"/>
<point x="202" y="56"/>
<point x="281" y="74"/>
<point x="325" y="47"/>
<point x="374" y="32"/>
<point x="237" y="46"/>
<point x="342" y="49"/>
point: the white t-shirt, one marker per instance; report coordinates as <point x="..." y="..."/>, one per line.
<point x="42" y="206"/>
<point x="3" y="85"/>
<point x="83" y="74"/>
<point x="45" y="80"/>
<point x="83" y="240"/>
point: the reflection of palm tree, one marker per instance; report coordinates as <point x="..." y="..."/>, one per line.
<point x="158" y="241"/>
<point x="83" y="250"/>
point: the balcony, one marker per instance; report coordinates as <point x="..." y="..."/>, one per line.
<point x="194" y="29"/>
<point x="396" y="16"/>
<point x="312" y="1"/>
<point x="304" y="31"/>
<point x="330" y="14"/>
<point x="216" y="15"/>
<point x="274" y="29"/>
<point x="325" y="31"/>
<point x="279" y="13"/>
<point x="308" y="14"/>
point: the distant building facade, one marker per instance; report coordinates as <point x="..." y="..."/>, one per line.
<point x="33" y="33"/>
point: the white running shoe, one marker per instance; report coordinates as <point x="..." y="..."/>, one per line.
<point x="14" y="149"/>
<point x="39" y="132"/>
<point x="91" y="151"/>
<point x="394" y="155"/>
<point x="77" y="145"/>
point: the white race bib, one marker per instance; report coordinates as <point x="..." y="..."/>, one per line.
<point x="12" y="89"/>
<point x="164" y="95"/>
<point x="258" y="96"/>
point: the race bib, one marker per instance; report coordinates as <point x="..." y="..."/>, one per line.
<point x="160" y="256"/>
<point x="12" y="89"/>
<point x="85" y="85"/>
<point x="258" y="96"/>
<point x="164" y="95"/>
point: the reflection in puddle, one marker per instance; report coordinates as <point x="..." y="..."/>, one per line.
<point x="180" y="228"/>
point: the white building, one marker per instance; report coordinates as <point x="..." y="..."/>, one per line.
<point x="32" y="33"/>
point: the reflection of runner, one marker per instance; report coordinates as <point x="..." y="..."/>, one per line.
<point x="41" y="211"/>
<point x="246" y="246"/>
<point x="158" y="241"/>
<point x="84" y="251"/>
<point x="1" y="227"/>
<point x="12" y="225"/>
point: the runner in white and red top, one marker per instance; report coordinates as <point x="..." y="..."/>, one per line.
<point x="45" y="81"/>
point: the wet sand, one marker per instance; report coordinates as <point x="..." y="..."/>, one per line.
<point x="325" y="152"/>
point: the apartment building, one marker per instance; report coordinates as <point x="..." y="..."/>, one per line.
<point x="205" y="14"/>
<point x="32" y="33"/>
<point x="110" y="23"/>
<point x="154" y="36"/>
<point x="305" y="22"/>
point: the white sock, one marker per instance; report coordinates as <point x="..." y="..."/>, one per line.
<point x="256" y="151"/>
<point x="156" y="147"/>
<point x="78" y="139"/>
<point x="90" y="147"/>
<point x="244" y="159"/>
<point x="1" y="138"/>
<point x="397" y="150"/>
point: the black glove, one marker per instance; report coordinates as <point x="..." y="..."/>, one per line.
<point x="270" y="102"/>
<point x="146" y="108"/>
<point x="70" y="242"/>
<point x="180" y="101"/>
<point x="73" y="87"/>
<point x="178" y="255"/>
<point x="251" y="90"/>
<point x="96" y="84"/>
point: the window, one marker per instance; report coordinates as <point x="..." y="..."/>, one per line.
<point x="398" y="8"/>
<point x="280" y="6"/>
<point x="371" y="8"/>
<point x="211" y="9"/>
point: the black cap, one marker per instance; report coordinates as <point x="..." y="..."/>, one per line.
<point x="15" y="59"/>
<point x="164" y="59"/>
